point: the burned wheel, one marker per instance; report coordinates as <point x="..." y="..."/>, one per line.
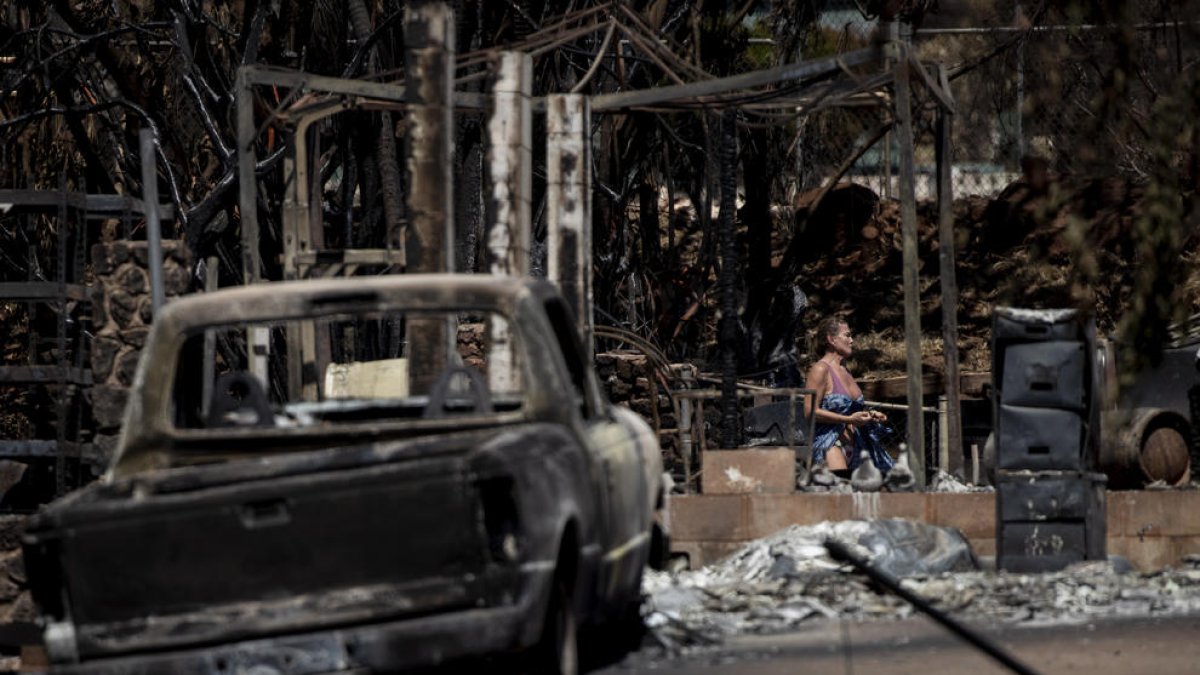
<point x="557" y="651"/>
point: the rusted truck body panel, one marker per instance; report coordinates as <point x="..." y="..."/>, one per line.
<point x="350" y="534"/>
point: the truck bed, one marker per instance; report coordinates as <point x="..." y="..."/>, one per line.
<point x="302" y="543"/>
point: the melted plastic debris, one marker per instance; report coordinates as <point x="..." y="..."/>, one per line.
<point x="785" y="581"/>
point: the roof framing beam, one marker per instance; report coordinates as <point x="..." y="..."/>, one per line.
<point x="733" y="83"/>
<point x="941" y="94"/>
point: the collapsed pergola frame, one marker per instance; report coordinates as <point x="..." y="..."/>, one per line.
<point x="821" y="83"/>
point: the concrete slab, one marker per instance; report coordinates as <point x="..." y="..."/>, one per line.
<point x="770" y="513"/>
<point x="748" y="471"/>
<point x="1185" y="546"/>
<point x="1146" y="553"/>
<point x="984" y="547"/>
<point x="1116" y="507"/>
<point x="1162" y="512"/>
<point x="1153" y="529"/>
<point x="973" y="513"/>
<point x="709" y="518"/>
<point x="1155" y="552"/>
<point x="910" y="505"/>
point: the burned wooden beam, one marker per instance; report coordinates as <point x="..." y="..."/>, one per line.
<point x="509" y="161"/>
<point x="429" y="36"/>
<point x="429" y="59"/>
<point x="510" y="180"/>
<point x="247" y="181"/>
<point x="569" y="204"/>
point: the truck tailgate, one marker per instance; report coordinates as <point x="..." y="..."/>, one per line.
<point x="227" y="562"/>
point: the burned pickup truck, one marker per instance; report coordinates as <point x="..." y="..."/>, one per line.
<point x="431" y="472"/>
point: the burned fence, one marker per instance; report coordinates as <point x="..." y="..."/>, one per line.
<point x="77" y="327"/>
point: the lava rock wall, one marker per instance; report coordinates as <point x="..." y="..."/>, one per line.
<point x="121" y="316"/>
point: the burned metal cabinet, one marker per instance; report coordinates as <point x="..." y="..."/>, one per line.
<point x="1050" y="506"/>
<point x="1047" y="520"/>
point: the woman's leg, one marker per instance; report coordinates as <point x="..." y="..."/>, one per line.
<point x="835" y="457"/>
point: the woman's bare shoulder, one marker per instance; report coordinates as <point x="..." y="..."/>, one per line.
<point x="817" y="374"/>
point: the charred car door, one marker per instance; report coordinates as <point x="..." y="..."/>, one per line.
<point x="616" y="442"/>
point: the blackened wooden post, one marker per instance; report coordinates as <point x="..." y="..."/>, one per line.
<point x="259" y="344"/>
<point x="727" y="281"/>
<point x="247" y="181"/>
<point x="908" y="229"/>
<point x="510" y="181"/>
<point x="946" y="258"/>
<point x="509" y="160"/>
<point x="429" y="41"/>
<point x="569" y="204"/>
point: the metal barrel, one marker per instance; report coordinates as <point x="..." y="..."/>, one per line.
<point x="1145" y="446"/>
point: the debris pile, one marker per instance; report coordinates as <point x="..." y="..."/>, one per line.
<point x="944" y="482"/>
<point x="786" y="580"/>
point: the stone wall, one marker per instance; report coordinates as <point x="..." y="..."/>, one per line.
<point x="628" y="379"/>
<point x="121" y="317"/>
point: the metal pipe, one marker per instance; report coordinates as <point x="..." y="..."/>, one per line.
<point x="724" y="85"/>
<point x="212" y="271"/>
<point x="947" y="268"/>
<point x="842" y="553"/>
<point x="153" y="227"/>
<point x="897" y="406"/>
<point x="911" y="277"/>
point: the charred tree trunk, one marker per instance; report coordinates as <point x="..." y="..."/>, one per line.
<point x="389" y="167"/>
<point x="728" y="280"/>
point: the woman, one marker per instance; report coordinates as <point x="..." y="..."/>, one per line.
<point x="842" y="426"/>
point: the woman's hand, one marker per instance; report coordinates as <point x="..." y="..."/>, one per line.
<point x="860" y="418"/>
<point x="877" y="416"/>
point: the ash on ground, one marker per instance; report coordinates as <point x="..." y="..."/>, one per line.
<point x="944" y="482"/>
<point x="787" y="581"/>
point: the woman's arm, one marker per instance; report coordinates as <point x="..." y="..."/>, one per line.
<point x="820" y="381"/>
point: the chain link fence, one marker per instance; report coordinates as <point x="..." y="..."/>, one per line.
<point x="1056" y="89"/>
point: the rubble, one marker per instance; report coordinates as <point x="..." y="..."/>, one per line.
<point x="787" y="580"/>
<point x="944" y="482"/>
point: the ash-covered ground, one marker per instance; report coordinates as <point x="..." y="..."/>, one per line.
<point x="787" y="582"/>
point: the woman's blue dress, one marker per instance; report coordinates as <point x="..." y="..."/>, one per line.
<point x="868" y="437"/>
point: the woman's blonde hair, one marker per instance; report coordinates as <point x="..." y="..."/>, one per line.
<point x="826" y="328"/>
